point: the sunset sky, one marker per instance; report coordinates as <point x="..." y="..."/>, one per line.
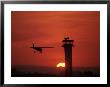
<point x="48" y="29"/>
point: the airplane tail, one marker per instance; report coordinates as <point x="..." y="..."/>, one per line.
<point x="33" y="45"/>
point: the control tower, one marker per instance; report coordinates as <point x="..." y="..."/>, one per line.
<point x="68" y="44"/>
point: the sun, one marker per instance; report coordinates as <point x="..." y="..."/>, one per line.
<point x="60" y="64"/>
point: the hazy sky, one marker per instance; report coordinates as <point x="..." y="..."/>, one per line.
<point x="49" y="29"/>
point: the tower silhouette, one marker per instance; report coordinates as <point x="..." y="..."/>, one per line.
<point x="68" y="44"/>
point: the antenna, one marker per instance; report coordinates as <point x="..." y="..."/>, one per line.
<point x="66" y="35"/>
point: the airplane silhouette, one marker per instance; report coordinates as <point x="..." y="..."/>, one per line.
<point x="39" y="48"/>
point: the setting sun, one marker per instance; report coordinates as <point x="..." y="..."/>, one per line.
<point x="60" y="65"/>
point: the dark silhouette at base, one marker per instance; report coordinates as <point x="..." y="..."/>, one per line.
<point x="31" y="71"/>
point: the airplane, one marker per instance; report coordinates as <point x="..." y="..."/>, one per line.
<point x="38" y="48"/>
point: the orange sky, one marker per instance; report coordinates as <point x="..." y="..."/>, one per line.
<point x="49" y="29"/>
